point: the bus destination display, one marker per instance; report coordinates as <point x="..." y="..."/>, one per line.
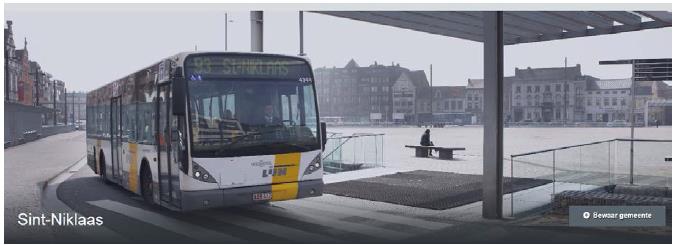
<point x="228" y="66"/>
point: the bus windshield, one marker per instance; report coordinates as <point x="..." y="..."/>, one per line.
<point x="243" y="117"/>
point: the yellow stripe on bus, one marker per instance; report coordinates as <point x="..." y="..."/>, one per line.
<point x="285" y="177"/>
<point x="133" y="167"/>
<point x="284" y="191"/>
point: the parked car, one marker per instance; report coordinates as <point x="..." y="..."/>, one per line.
<point x="618" y="123"/>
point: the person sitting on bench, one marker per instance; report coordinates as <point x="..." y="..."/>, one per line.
<point x="426" y="140"/>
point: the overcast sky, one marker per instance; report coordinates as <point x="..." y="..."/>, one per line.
<point x="89" y="47"/>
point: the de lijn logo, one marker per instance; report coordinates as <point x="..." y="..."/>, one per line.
<point x="275" y="171"/>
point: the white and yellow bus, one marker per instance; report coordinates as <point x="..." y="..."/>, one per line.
<point x="210" y="129"/>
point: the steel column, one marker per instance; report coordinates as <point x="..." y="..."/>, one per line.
<point x="302" y="33"/>
<point x="493" y="128"/>
<point x="257" y="31"/>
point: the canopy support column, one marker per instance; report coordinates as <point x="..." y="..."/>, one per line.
<point x="493" y="127"/>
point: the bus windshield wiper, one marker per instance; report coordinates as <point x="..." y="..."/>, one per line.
<point x="236" y="140"/>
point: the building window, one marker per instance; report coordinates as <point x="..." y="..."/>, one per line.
<point x="536" y="88"/>
<point x="529" y="89"/>
<point x="623" y="101"/>
<point x="614" y="92"/>
<point x="557" y="87"/>
<point x="597" y="101"/>
<point x="623" y="91"/>
<point x="613" y="101"/>
<point x="567" y="87"/>
<point x="517" y="89"/>
<point x="606" y="101"/>
<point x="589" y="101"/>
<point x="606" y="92"/>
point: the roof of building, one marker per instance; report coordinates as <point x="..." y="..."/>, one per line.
<point x="549" y="73"/>
<point x="450" y="91"/>
<point x="623" y="83"/>
<point x="352" y="64"/>
<point x="474" y="83"/>
<point x="418" y="78"/>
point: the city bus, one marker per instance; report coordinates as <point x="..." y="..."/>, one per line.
<point x="210" y="129"/>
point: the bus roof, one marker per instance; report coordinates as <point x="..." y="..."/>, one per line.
<point x="180" y="58"/>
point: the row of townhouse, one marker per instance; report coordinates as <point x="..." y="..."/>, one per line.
<point x="556" y="95"/>
<point x="27" y="83"/>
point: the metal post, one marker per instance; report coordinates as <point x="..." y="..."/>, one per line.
<point x="431" y="88"/>
<point x="226" y="31"/>
<point x="302" y="31"/>
<point x="646" y="116"/>
<point x="565" y="95"/>
<point x="580" y="166"/>
<point x="54" y="101"/>
<point x="65" y="107"/>
<point x="511" y="185"/>
<point x="609" y="162"/>
<point x="553" y="175"/>
<point x="493" y="69"/>
<point x="256" y="31"/>
<point x="632" y="117"/>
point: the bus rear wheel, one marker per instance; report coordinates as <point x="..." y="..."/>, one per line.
<point x="102" y="168"/>
<point x="146" y="185"/>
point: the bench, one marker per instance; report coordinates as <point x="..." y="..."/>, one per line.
<point x="443" y="152"/>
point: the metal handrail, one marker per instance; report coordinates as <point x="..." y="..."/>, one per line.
<point x="586" y="144"/>
<point x="337" y="147"/>
<point x="555" y="168"/>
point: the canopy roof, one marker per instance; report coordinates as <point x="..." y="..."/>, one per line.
<point x="519" y="26"/>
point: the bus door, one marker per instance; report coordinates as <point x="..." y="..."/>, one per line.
<point x="169" y="186"/>
<point x="116" y="136"/>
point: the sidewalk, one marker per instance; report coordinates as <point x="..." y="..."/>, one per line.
<point x="27" y="167"/>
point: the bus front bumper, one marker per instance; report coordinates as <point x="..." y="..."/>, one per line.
<point x="194" y="200"/>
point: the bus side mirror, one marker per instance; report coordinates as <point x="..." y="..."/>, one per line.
<point x="323" y="136"/>
<point x="178" y="97"/>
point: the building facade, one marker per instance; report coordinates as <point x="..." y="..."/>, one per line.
<point x="357" y="94"/>
<point x="548" y="94"/>
<point x="25" y="82"/>
<point x="607" y="100"/>
<point x="12" y="66"/>
<point x="405" y="96"/>
<point x="76" y="103"/>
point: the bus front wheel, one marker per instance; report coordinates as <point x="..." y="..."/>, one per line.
<point x="146" y="184"/>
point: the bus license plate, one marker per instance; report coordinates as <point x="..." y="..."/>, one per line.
<point x="263" y="196"/>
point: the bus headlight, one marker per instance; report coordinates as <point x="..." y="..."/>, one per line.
<point x="314" y="165"/>
<point x="201" y="174"/>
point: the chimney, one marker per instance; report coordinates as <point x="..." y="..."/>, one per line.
<point x="9" y="25"/>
